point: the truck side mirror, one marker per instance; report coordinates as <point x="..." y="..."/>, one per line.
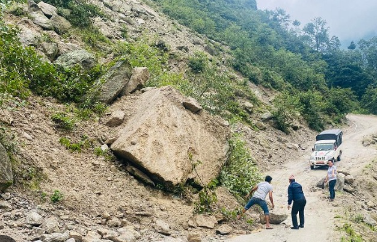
<point x="312" y="149"/>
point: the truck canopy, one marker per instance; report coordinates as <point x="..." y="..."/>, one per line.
<point x="331" y="134"/>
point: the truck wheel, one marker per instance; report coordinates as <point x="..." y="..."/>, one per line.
<point x="340" y="154"/>
<point x="311" y="167"/>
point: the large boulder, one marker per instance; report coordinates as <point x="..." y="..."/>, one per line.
<point x="47" y="9"/>
<point x="112" y="83"/>
<point x="169" y="142"/>
<point x="60" y="24"/>
<point x="140" y="76"/>
<point x="28" y="34"/>
<point x="38" y="17"/>
<point x="6" y="174"/>
<point x="76" y="57"/>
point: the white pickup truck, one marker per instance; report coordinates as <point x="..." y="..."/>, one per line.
<point x="328" y="146"/>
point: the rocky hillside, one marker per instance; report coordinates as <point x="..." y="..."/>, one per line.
<point x="70" y="186"/>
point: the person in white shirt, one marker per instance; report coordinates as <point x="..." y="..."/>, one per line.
<point x="331" y="178"/>
<point x="259" y="197"/>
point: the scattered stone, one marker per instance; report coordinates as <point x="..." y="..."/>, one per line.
<point x="92" y="236"/>
<point x="260" y="125"/>
<point x="115" y="119"/>
<point x="51" y="50"/>
<point x="33" y="218"/>
<point x="140" y="75"/>
<point x="6" y="195"/>
<point x="371" y="204"/>
<point x="266" y="116"/>
<point x="205" y="221"/>
<point x="40" y="19"/>
<point x="162" y="227"/>
<point x="369" y="220"/>
<point x="60" y="24"/>
<point x="51" y="225"/>
<point x="194" y="237"/>
<point x="75" y="235"/>
<point x="274" y="218"/>
<point x="192" y="105"/>
<point x="140" y="175"/>
<point x="114" y="222"/>
<point x="248" y="106"/>
<point x="339" y="182"/>
<point x="55" y="237"/>
<point x="76" y="57"/>
<point x="112" y="83"/>
<point x="127" y="234"/>
<point x="5" y="205"/>
<point x="349" y="179"/>
<point x="224" y="229"/>
<point x="47" y="9"/>
<point x="349" y="188"/>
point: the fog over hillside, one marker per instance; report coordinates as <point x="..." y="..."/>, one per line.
<point x="346" y="19"/>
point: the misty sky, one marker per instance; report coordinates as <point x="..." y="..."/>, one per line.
<point x="348" y="20"/>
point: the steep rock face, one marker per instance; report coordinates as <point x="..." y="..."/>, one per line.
<point x="168" y="141"/>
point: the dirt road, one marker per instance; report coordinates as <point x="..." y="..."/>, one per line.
<point x="319" y="213"/>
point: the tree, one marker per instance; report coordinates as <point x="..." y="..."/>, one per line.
<point x="368" y="49"/>
<point x="369" y="100"/>
<point x="334" y="44"/>
<point x="352" y="46"/>
<point x="317" y="34"/>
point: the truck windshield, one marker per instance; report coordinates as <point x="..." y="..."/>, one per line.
<point x="319" y="147"/>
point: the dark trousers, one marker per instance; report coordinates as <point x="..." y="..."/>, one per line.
<point x="332" y="188"/>
<point x="298" y="207"/>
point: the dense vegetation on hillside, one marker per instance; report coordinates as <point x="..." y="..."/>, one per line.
<point x="316" y="77"/>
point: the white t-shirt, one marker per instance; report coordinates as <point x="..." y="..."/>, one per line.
<point x="263" y="189"/>
<point x="329" y="173"/>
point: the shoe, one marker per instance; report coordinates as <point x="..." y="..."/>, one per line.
<point x="301" y="226"/>
<point x="331" y="200"/>
<point x="294" y="227"/>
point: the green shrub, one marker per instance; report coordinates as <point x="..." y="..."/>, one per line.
<point x="93" y="37"/>
<point x="63" y="122"/>
<point x="80" y="13"/>
<point x="281" y="117"/>
<point x="82" y="144"/>
<point x="75" y="82"/>
<point x="352" y="236"/>
<point x="207" y="199"/>
<point x="21" y="69"/>
<point x="240" y="172"/>
<point x="142" y="53"/>
<point x="230" y="214"/>
<point x="98" y="151"/>
<point x="57" y="196"/>
<point x="198" y="63"/>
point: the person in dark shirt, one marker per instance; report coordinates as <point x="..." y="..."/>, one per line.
<point x="296" y="195"/>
